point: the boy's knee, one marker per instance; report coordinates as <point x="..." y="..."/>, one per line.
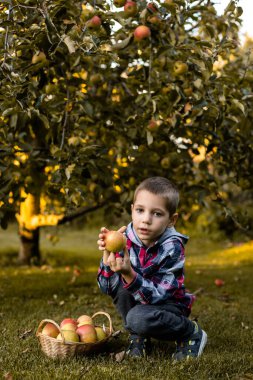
<point x="136" y="320"/>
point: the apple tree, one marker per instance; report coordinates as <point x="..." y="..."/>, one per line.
<point x="97" y="95"/>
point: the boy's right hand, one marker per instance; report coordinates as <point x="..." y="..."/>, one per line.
<point x="101" y="243"/>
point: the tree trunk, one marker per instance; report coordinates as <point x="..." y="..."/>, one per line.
<point x="29" y="252"/>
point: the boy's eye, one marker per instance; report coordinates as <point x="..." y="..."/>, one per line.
<point x="139" y="210"/>
<point x="157" y="214"/>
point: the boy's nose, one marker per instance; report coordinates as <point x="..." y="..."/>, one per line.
<point x="146" y="218"/>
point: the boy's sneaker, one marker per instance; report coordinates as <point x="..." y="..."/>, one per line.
<point x="193" y="347"/>
<point x="139" y="347"/>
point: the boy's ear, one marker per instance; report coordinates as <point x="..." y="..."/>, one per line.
<point x="173" y="220"/>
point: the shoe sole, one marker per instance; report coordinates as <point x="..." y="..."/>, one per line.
<point x="202" y="343"/>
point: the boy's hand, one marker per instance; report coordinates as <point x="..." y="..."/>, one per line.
<point x="101" y="243"/>
<point x="122" y="265"/>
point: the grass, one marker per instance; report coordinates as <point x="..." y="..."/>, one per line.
<point x="29" y="295"/>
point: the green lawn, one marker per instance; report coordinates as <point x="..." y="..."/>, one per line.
<point x="29" y="295"/>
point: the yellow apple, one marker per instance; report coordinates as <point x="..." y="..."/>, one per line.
<point x="84" y="320"/>
<point x="87" y="333"/>
<point x="69" y="336"/>
<point x="50" y="330"/>
<point x="69" y="327"/>
<point x="101" y="334"/>
<point x="115" y="241"/>
<point x="180" y="68"/>
<point x="39" y="57"/>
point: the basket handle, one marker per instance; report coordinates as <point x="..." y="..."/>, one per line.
<point x="108" y="317"/>
<point x="43" y="322"/>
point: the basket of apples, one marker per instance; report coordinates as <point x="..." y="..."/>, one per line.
<point x="73" y="336"/>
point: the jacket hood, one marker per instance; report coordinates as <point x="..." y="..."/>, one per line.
<point x="168" y="233"/>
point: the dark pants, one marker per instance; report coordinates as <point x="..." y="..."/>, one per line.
<point x="163" y="322"/>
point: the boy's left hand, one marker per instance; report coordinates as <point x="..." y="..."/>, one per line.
<point x="122" y="265"/>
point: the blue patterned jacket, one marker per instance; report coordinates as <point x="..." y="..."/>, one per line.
<point x="159" y="270"/>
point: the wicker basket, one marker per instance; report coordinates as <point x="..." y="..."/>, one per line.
<point x="61" y="349"/>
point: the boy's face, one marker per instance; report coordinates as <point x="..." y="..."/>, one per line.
<point x="150" y="216"/>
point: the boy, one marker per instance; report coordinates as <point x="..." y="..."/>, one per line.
<point x="146" y="281"/>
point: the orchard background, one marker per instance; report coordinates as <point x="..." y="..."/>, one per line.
<point x="87" y="111"/>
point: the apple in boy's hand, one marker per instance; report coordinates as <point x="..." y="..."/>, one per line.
<point x="50" y="330"/>
<point x="84" y="320"/>
<point x="69" y="336"/>
<point x="115" y="241"/>
<point x="101" y="334"/>
<point x="219" y="282"/>
<point x="68" y="321"/>
<point x="87" y="333"/>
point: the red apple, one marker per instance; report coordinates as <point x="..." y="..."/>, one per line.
<point x="130" y="8"/>
<point x="87" y="333"/>
<point x="67" y="321"/>
<point x="94" y="22"/>
<point x="153" y="125"/>
<point x="115" y="241"/>
<point x="84" y="320"/>
<point x="218" y="282"/>
<point x="155" y="20"/>
<point x="152" y="7"/>
<point x="141" y="32"/>
<point x="50" y="330"/>
<point x="69" y="335"/>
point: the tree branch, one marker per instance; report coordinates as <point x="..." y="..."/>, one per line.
<point x="80" y="212"/>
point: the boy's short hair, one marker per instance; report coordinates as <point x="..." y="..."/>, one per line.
<point x="163" y="187"/>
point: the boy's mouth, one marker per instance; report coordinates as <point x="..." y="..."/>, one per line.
<point x="144" y="231"/>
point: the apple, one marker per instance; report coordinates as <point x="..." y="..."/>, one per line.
<point x="180" y="68"/>
<point x="141" y="32"/>
<point x="87" y="333"/>
<point x="68" y="321"/>
<point x="119" y="3"/>
<point x="84" y="320"/>
<point x="94" y="22"/>
<point x="218" y="282"/>
<point x="69" y="327"/>
<point x="115" y="241"/>
<point x="39" y="57"/>
<point x="69" y="336"/>
<point x="153" y="125"/>
<point x="130" y="8"/>
<point x="101" y="334"/>
<point x="50" y="330"/>
<point x="155" y="20"/>
<point x="152" y="7"/>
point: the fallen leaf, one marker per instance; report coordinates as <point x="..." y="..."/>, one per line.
<point x="25" y="334"/>
<point x="120" y="356"/>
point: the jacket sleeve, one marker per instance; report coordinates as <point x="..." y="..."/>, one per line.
<point x="167" y="283"/>
<point x="108" y="281"/>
